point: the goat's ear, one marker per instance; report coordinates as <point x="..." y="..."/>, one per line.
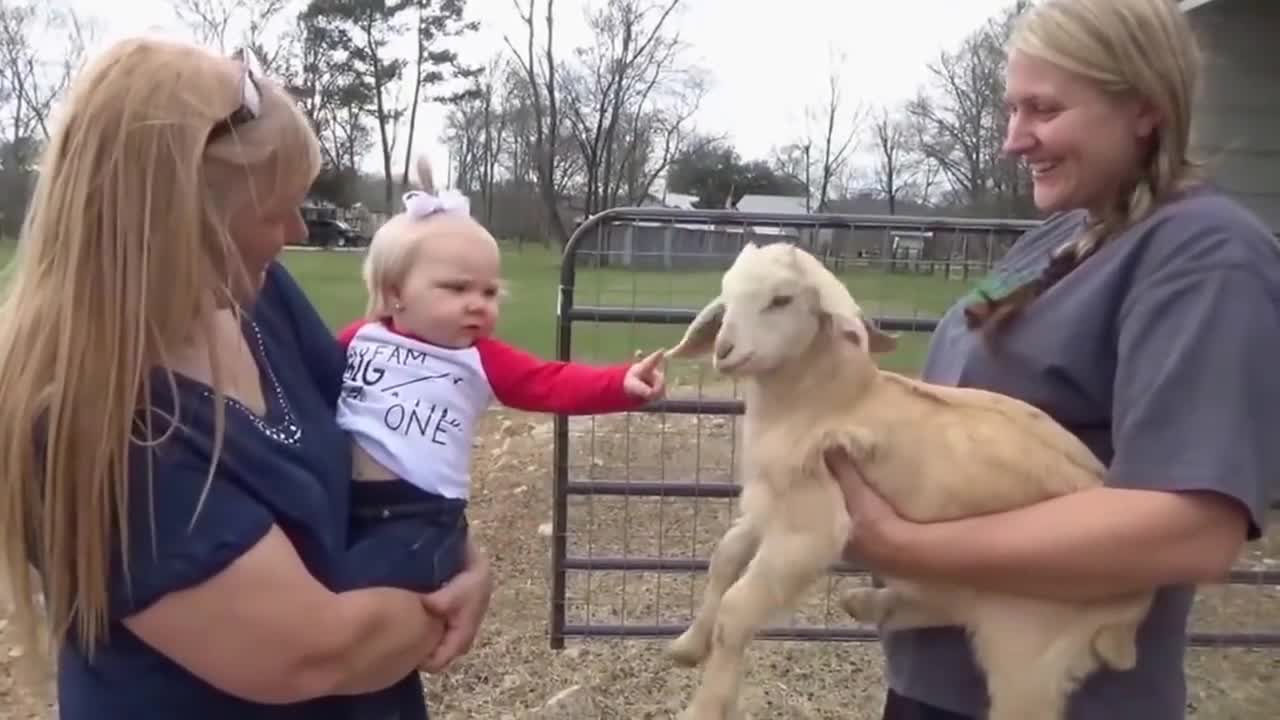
<point x="879" y="341"/>
<point x="701" y="333"/>
<point x="863" y="333"/>
<point x="835" y="302"/>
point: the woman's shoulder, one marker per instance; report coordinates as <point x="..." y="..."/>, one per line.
<point x="1032" y="248"/>
<point x="1205" y="228"/>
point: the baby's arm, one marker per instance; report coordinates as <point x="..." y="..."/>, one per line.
<point x="523" y="381"/>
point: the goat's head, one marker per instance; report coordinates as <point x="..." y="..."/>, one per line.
<point x="774" y="302"/>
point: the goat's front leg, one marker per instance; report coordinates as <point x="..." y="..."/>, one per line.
<point x="787" y="562"/>
<point x="731" y="555"/>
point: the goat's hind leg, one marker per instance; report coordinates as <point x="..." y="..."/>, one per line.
<point x="890" y="609"/>
<point x="1031" y="663"/>
<point x="1027" y="693"/>
<point x="731" y="555"/>
<point x="785" y="565"/>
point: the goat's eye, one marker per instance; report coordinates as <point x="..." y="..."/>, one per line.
<point x="779" y="301"/>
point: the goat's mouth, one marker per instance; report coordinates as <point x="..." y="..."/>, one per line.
<point x="727" y="366"/>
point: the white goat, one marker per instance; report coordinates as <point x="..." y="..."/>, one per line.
<point x="792" y="333"/>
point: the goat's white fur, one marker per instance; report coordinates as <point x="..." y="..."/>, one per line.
<point x="798" y="341"/>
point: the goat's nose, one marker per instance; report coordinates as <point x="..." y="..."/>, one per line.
<point x="723" y="350"/>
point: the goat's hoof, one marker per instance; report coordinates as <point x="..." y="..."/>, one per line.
<point x="861" y="605"/>
<point x="688" y="650"/>
<point x="703" y="712"/>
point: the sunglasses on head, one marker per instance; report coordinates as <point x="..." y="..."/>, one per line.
<point x="250" y="95"/>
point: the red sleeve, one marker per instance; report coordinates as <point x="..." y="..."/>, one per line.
<point x="347" y="333"/>
<point x="523" y="381"/>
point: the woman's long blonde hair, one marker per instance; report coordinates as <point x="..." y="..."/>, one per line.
<point x="126" y="240"/>
<point x="1129" y="48"/>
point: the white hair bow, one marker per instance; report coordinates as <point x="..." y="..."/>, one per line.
<point x="420" y="204"/>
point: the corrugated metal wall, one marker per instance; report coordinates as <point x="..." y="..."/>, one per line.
<point x="1238" y="120"/>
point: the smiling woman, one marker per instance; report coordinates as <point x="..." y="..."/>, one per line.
<point x="1081" y="143"/>
<point x="1103" y="130"/>
<point x="1117" y="314"/>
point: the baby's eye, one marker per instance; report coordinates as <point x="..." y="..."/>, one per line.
<point x="779" y="301"/>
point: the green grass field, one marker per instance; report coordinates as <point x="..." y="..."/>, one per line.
<point x="332" y="279"/>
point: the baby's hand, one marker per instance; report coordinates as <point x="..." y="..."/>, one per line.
<point x="644" y="379"/>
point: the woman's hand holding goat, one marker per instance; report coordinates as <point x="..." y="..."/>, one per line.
<point x="877" y="527"/>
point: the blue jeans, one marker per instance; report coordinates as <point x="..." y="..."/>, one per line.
<point x="900" y="707"/>
<point x="428" y="536"/>
<point x="431" y="531"/>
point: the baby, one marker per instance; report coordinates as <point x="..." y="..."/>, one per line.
<point x="421" y="369"/>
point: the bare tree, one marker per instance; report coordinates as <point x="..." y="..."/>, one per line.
<point x="359" y="32"/>
<point x="33" y="80"/>
<point x="630" y="58"/>
<point x="961" y="124"/>
<point x="541" y="83"/>
<point x="465" y="130"/>
<point x="821" y="154"/>
<point x="494" y="99"/>
<point x="490" y="135"/>
<point x="311" y="60"/>
<point x="657" y="136"/>
<point x="433" y="64"/>
<point x="42" y="46"/>
<point x="208" y="20"/>
<point x="794" y="161"/>
<point x="494" y="106"/>
<point x="897" y="165"/>
<point x="841" y="125"/>
<point x="219" y="23"/>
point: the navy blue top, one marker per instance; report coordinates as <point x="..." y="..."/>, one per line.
<point x="290" y="468"/>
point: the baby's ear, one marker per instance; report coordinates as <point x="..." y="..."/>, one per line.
<point x="391" y="295"/>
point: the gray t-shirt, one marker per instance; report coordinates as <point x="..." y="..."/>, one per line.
<point x="1158" y="352"/>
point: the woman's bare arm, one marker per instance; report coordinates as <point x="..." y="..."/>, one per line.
<point x="1194" y="409"/>
<point x="1082" y="547"/>
<point x="264" y="629"/>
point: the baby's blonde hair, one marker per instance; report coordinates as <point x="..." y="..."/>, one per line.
<point x="126" y="240"/>
<point x="394" y="247"/>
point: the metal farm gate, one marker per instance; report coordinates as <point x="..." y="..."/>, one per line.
<point x="641" y="498"/>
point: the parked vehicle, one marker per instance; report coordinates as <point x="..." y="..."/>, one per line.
<point x="326" y="232"/>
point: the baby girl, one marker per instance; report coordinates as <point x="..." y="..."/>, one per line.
<point x="424" y="365"/>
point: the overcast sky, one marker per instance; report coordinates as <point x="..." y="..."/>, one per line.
<point x="766" y="59"/>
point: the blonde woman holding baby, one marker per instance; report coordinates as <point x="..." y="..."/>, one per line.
<point x="170" y="458"/>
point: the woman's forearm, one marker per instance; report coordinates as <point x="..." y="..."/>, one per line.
<point x="1081" y="547"/>
<point x="383" y="634"/>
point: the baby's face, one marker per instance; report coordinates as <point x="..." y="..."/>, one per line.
<point x="450" y="296"/>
